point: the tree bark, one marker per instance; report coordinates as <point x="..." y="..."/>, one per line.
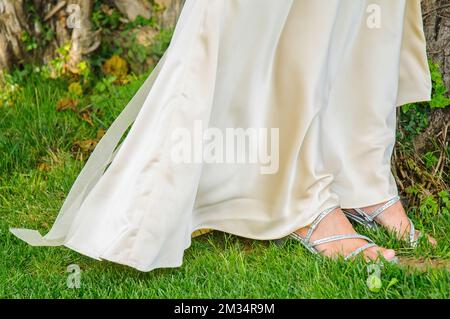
<point x="13" y="24"/>
<point x="69" y="20"/>
<point x="171" y="12"/>
<point x="436" y="16"/>
<point x="167" y="11"/>
<point x="134" y="8"/>
<point x="84" y="39"/>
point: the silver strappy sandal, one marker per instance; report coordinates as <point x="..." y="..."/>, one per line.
<point x="310" y="245"/>
<point x="361" y="217"/>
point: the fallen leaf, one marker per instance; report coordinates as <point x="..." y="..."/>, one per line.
<point x="87" y="117"/>
<point x="43" y="167"/>
<point x="76" y="89"/>
<point x="117" y="67"/>
<point x="86" y="146"/>
<point x="100" y="133"/>
<point x="67" y="104"/>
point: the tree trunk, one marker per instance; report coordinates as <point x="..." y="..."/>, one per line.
<point x="171" y="12"/>
<point x="20" y="30"/>
<point x="134" y="8"/>
<point x="436" y="15"/>
<point x="13" y="24"/>
<point x="166" y="11"/>
<point x="84" y="39"/>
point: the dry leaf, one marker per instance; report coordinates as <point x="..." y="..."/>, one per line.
<point x="87" y="117"/>
<point x="100" y="133"/>
<point x="86" y="146"/>
<point x="117" y="67"/>
<point x="67" y="104"/>
<point x="43" y="167"/>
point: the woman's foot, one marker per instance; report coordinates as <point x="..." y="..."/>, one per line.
<point x="394" y="219"/>
<point x="336" y="223"/>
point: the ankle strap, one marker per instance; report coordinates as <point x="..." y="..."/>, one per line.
<point x="381" y="209"/>
<point x="339" y="237"/>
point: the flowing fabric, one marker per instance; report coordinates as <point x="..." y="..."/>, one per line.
<point x="314" y="69"/>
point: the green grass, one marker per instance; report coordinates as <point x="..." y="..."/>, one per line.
<point x="217" y="265"/>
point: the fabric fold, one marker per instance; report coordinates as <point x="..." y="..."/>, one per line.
<point x="310" y="74"/>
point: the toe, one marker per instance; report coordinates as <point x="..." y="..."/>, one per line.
<point x="388" y="254"/>
<point x="432" y="240"/>
<point x="375" y="252"/>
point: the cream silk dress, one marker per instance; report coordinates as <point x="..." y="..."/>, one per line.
<point x="319" y="70"/>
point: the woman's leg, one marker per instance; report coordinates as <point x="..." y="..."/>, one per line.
<point x="306" y="70"/>
<point x="364" y="102"/>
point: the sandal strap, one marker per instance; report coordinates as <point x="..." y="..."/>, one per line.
<point x="356" y="217"/>
<point x="359" y="250"/>
<point x="339" y="237"/>
<point x="304" y="243"/>
<point x="370" y="218"/>
<point x="381" y="209"/>
<point x="363" y="214"/>
<point x="311" y="245"/>
<point x="412" y="234"/>
<point x="316" y="222"/>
